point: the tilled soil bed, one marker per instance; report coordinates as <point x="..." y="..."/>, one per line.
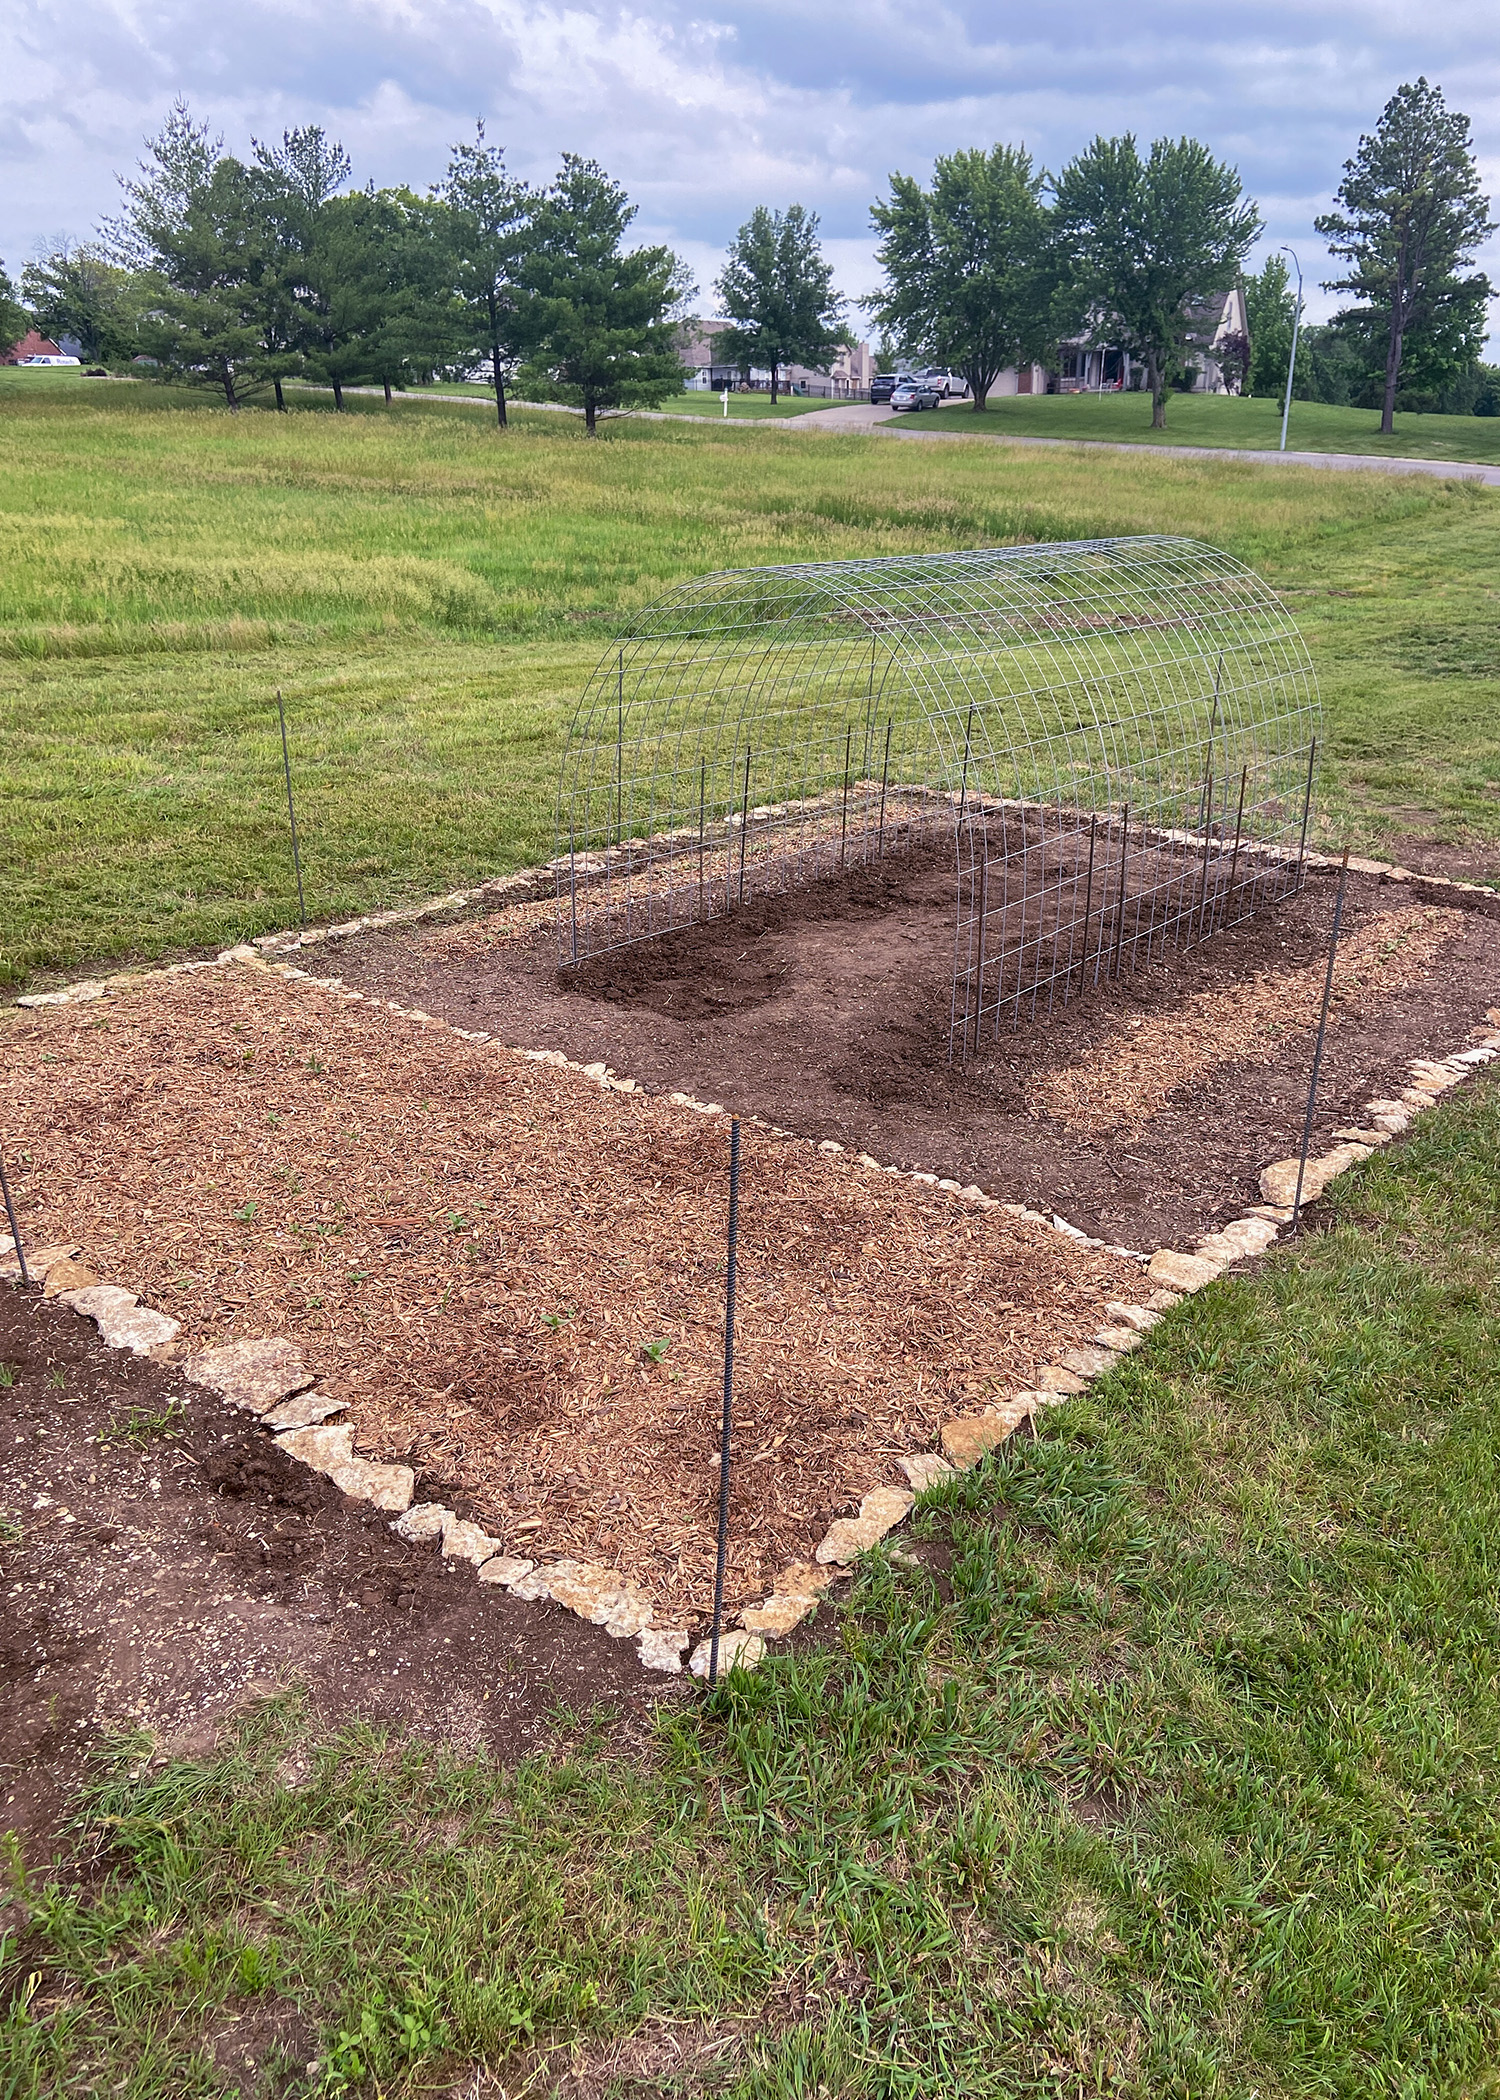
<point x="1142" y="1111"/>
<point x="515" y="1279"/>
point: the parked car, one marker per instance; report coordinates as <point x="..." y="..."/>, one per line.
<point x="948" y="384"/>
<point x="915" y="394"/>
<point x="882" y="386"/>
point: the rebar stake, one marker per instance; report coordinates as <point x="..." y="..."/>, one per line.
<point x="291" y="809"/>
<point x="744" y="823"/>
<point x="729" y="1282"/>
<point x="702" y="817"/>
<point x="1312" y="759"/>
<point x="1333" y="947"/>
<point x="15" y="1230"/>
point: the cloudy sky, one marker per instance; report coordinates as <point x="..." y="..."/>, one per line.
<point x="704" y="108"/>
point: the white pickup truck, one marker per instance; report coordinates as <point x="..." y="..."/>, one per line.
<point x="951" y="385"/>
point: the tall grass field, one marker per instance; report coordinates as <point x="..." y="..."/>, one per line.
<point x="429" y="594"/>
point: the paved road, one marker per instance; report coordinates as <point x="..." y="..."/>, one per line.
<point x="864" y="418"/>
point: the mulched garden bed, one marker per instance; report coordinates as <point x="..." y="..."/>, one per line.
<point x="1141" y="1112"/>
<point x="486" y="1257"/>
<point x="165" y="1566"/>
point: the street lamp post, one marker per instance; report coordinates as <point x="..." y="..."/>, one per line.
<point x="1286" y="406"/>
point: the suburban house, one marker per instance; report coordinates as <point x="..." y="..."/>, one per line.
<point x="1021" y="379"/>
<point x="848" y="377"/>
<point x="30" y="345"/>
<point x="1211" y="323"/>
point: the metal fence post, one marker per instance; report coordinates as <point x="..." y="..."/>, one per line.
<point x="727" y="1423"/>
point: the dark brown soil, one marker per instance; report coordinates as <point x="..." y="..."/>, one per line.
<point x="826" y="1011"/>
<point x="1478" y="861"/>
<point x="164" y="1566"/>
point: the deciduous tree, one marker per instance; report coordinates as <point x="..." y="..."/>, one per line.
<point x="777" y="290"/>
<point x="1147" y="237"/>
<point x="971" y="268"/>
<point x="13" y="318"/>
<point x="1270" y="308"/>
<point x="74" y="291"/>
<point x="1411" y="213"/>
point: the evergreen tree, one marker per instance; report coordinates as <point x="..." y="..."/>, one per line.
<point x="192" y="227"/>
<point x="597" y="324"/>
<point x="488" y="233"/>
<point x="777" y="289"/>
<point x="381" y="310"/>
<point x="1411" y="213"/>
<point x="292" y="182"/>
<point x="1149" y="237"/>
<point x="970" y="265"/>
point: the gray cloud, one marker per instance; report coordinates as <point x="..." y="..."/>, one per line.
<point x="705" y="113"/>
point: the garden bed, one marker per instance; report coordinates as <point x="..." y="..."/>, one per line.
<point x="1142" y="1111"/>
<point x="515" y="1278"/>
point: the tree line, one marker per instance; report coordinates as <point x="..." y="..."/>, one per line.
<point x="246" y="275"/>
<point x="995" y="262"/>
<point x="250" y="274"/>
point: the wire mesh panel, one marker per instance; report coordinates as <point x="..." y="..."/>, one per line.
<point x="1115" y="738"/>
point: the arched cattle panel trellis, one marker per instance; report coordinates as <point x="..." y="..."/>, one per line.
<point x="1117" y="738"/>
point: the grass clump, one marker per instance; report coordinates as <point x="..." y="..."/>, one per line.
<point x="1168" y="1772"/>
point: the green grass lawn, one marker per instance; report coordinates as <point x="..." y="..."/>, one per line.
<point x="1170" y="1777"/>
<point x="430" y="594"/>
<point x="1222" y="419"/>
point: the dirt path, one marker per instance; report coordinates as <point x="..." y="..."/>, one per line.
<point x="164" y="1566"/>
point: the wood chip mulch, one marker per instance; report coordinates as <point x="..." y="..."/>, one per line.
<point x="482" y="1255"/>
<point x="1127" y="1077"/>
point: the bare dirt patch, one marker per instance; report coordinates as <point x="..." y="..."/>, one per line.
<point x="1477" y="860"/>
<point x="827" y="1011"/>
<point x="164" y="1566"/>
<point x="516" y="1279"/>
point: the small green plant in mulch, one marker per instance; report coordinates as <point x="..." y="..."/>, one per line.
<point x="141" y="1427"/>
<point x="7" y="1376"/>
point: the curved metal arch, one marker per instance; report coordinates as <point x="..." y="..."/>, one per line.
<point x="1117" y="736"/>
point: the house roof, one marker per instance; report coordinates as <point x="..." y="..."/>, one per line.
<point x="31" y="345"/>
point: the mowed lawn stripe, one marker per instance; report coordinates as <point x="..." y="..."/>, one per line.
<point x="430" y="595"/>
